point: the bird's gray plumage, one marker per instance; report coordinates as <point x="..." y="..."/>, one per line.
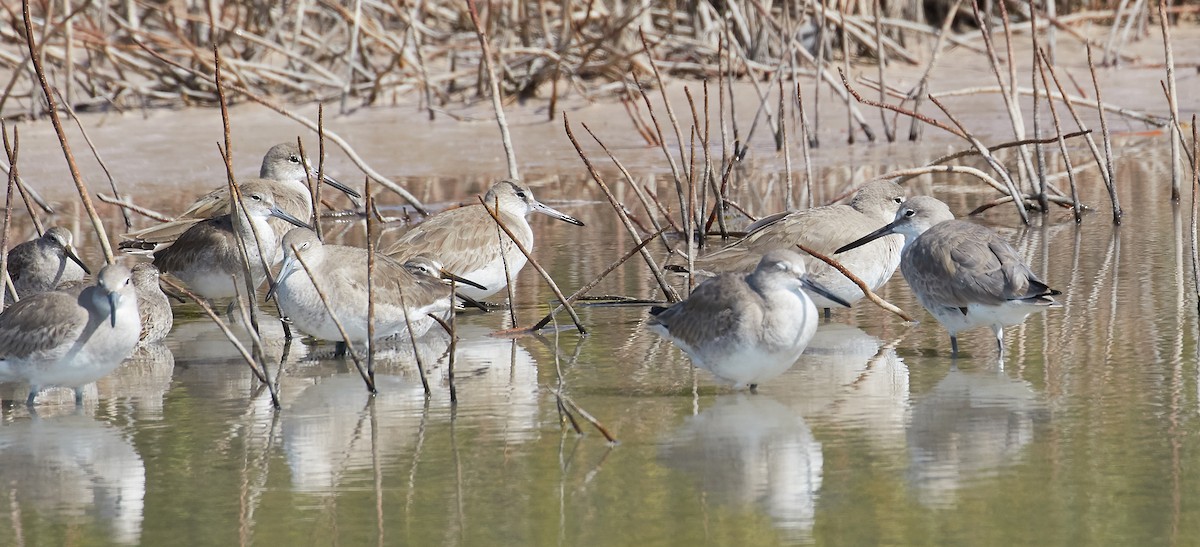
<point x="40" y="265"/>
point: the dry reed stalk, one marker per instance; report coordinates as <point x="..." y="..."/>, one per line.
<point x="637" y="190"/>
<point x="453" y="349"/>
<point x="1062" y="145"/>
<point x="52" y="108"/>
<point x="11" y="152"/>
<point x="1111" y="179"/>
<point x="508" y="276"/>
<point x="595" y="281"/>
<point x="16" y="175"/>
<point x="237" y="210"/>
<point x="1007" y="91"/>
<point x="899" y="109"/>
<point x="683" y="214"/>
<point x="1131" y="114"/>
<point x="789" y="200"/>
<point x="148" y="213"/>
<point x="509" y="154"/>
<point x="314" y="183"/>
<point x="254" y="368"/>
<point x="541" y="271"/>
<point x="888" y="131"/>
<point x="666" y="103"/>
<point x="372" y="236"/>
<point x="1172" y="99"/>
<point x="337" y="139"/>
<point x="667" y="289"/>
<point x="874" y="298"/>
<point x="1039" y="152"/>
<point x="367" y="379"/>
<point x="1104" y="173"/>
<point x="805" y="144"/>
<point x="919" y="91"/>
<point x="416" y="352"/>
<point x="995" y="164"/>
<point x="1195" y="197"/>
<point x="112" y="183"/>
<point x="846" y="63"/>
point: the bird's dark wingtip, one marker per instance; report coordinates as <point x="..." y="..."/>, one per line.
<point x="655" y="310"/>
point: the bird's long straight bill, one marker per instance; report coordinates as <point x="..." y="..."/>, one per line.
<point x="340" y="187"/>
<point x="550" y="211"/>
<point x="886" y="230"/>
<point x="70" y="252"/>
<point x="462" y="280"/>
<point x="288" y="268"/>
<point x="821" y="290"/>
<point x="280" y="213"/>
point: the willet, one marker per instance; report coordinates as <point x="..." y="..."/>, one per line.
<point x="465" y="241"/>
<point x="207" y="258"/>
<point x="965" y="274"/>
<point x="341" y="272"/>
<point x="58" y="339"/>
<point x="154" y="309"/>
<point x="40" y="265"/>
<point x="283" y="170"/>
<point x="746" y="328"/>
<point x="824" y="229"/>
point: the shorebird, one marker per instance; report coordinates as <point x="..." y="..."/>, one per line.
<point x="40" y="265"/>
<point x="965" y="274"/>
<point x="341" y="273"/>
<point x="207" y="257"/>
<point x="154" y="309"/>
<point x="153" y="306"/>
<point x="746" y="328"/>
<point x="465" y="241"/>
<point x="824" y="229"/>
<point x="58" y="339"/>
<point x="285" y="172"/>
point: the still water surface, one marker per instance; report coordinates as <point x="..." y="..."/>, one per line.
<point x="1085" y="436"/>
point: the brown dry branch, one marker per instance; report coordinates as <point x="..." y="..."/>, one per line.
<point x="241" y="349"/>
<point x="148" y="213"/>
<point x="667" y="289"/>
<point x="112" y="183"/>
<point x="532" y="262"/>
<point x="918" y="92"/>
<point x="898" y="109"/>
<point x="1108" y="160"/>
<point x="370" y="382"/>
<point x="1128" y="113"/>
<point x="874" y="298"/>
<point x="1104" y="172"/>
<point x="52" y="107"/>
<point x="11" y="152"/>
<point x="1172" y="99"/>
<point x="995" y="164"/>
<point x="509" y="154"/>
<point x="1062" y="144"/>
<point x="582" y="291"/>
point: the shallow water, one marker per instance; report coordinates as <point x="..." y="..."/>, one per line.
<point x="1085" y="436"/>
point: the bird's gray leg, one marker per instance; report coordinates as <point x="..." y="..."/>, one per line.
<point x="79" y="396"/>
<point x="33" y="391"/>
<point x="999" y="332"/>
<point x="339" y="349"/>
<point x="953" y="346"/>
<point x="828" y="313"/>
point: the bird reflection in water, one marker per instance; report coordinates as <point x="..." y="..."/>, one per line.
<point x="971" y="426"/>
<point x="748" y="449"/>
<point x="74" y="470"/>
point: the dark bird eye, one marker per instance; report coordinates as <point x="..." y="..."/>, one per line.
<point x="294" y="158"/>
<point x="521" y="195"/>
<point x="909" y="213"/>
<point x="256" y="197"/>
<point x="898" y="199"/>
